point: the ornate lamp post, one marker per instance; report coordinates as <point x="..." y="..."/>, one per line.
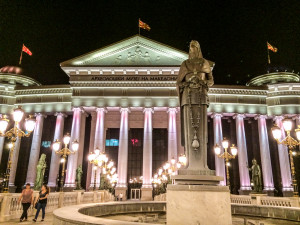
<point x="100" y="160"/>
<point x="226" y="155"/>
<point x="13" y="134"/>
<point x="291" y="143"/>
<point x="64" y="152"/>
<point x="164" y="173"/>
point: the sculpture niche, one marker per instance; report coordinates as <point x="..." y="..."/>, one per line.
<point x="256" y="177"/>
<point x="194" y="79"/>
<point x="40" y="172"/>
<point x="79" y="173"/>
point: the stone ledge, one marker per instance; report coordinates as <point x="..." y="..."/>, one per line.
<point x="208" y="188"/>
<point x="284" y="213"/>
<point x="86" y="214"/>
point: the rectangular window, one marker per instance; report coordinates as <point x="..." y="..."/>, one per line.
<point x="159" y="148"/>
<point x="135" y="153"/>
<point x="112" y="144"/>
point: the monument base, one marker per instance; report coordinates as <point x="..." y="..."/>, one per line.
<point x="198" y="204"/>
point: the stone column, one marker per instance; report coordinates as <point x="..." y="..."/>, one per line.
<point x="89" y="179"/>
<point x="14" y="165"/>
<point x="73" y="158"/>
<point x="147" y="156"/>
<point x="123" y="154"/>
<point x="2" y="139"/>
<point x="55" y="159"/>
<point x="99" y="141"/>
<point x="284" y="162"/>
<point x="35" y="149"/>
<point x="218" y="137"/>
<point x="172" y="134"/>
<point x="242" y="154"/>
<point x="266" y="164"/>
<point x="84" y="115"/>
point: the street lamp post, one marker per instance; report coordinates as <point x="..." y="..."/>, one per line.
<point x="13" y="134"/>
<point x="291" y="143"/>
<point x="64" y="152"/>
<point x="164" y="173"/>
<point x="100" y="160"/>
<point x="226" y="155"/>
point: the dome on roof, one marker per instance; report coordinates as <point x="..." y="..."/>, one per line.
<point x="274" y="77"/>
<point x="15" y="75"/>
<point x="11" y="70"/>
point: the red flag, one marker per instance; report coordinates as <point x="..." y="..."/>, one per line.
<point x="272" y="48"/>
<point x="144" y="25"/>
<point x="25" y="49"/>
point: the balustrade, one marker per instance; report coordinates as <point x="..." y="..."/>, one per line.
<point x="11" y="209"/>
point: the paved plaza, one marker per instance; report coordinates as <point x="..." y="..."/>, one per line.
<point x="236" y="221"/>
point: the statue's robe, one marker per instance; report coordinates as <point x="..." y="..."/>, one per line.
<point x="199" y="102"/>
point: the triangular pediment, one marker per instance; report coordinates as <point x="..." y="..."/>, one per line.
<point x="133" y="51"/>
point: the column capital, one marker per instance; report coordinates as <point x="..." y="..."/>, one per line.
<point x="40" y="115"/>
<point x="278" y="118"/>
<point x="77" y="109"/>
<point x="296" y="117"/>
<point x="213" y="115"/>
<point x="103" y="109"/>
<point x="125" y="110"/>
<point x="175" y="109"/>
<point x="259" y="116"/>
<point x="238" y="116"/>
<point x="148" y="110"/>
<point x="60" y="114"/>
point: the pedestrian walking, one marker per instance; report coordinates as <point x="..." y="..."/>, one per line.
<point x="42" y="202"/>
<point x="26" y="198"/>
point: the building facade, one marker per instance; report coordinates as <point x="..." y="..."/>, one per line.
<point x="122" y="99"/>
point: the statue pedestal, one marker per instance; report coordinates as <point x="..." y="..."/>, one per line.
<point x="198" y="204"/>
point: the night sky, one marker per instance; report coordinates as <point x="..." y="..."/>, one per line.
<point x="233" y="34"/>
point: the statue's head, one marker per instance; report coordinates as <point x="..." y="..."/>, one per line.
<point x="43" y="157"/>
<point x="195" y="50"/>
<point x="254" y="162"/>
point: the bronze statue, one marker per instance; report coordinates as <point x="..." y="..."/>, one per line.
<point x="79" y="173"/>
<point x="194" y="79"/>
<point x="256" y="176"/>
<point x="40" y="172"/>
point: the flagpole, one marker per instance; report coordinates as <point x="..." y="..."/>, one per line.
<point x="21" y="55"/>
<point x="269" y="60"/>
<point x="139" y="27"/>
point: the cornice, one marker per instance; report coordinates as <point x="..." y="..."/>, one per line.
<point x="281" y="93"/>
<point x="132" y="84"/>
<point x="44" y="91"/>
<point x="236" y="91"/>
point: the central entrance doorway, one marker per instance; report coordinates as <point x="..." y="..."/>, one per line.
<point x="135" y="194"/>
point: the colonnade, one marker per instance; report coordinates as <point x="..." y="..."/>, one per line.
<point x="97" y="140"/>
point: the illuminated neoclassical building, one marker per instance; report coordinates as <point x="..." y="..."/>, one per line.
<point x="122" y="99"/>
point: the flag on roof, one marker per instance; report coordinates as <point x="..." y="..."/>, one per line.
<point x="272" y="48"/>
<point x="144" y="25"/>
<point x="25" y="49"/>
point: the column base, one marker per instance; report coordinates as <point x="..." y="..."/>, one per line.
<point x="288" y="193"/>
<point x="245" y="191"/>
<point x="146" y="194"/>
<point x="198" y="204"/>
<point x="69" y="187"/>
<point x="268" y="192"/>
<point x="123" y="191"/>
<point x="12" y="189"/>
